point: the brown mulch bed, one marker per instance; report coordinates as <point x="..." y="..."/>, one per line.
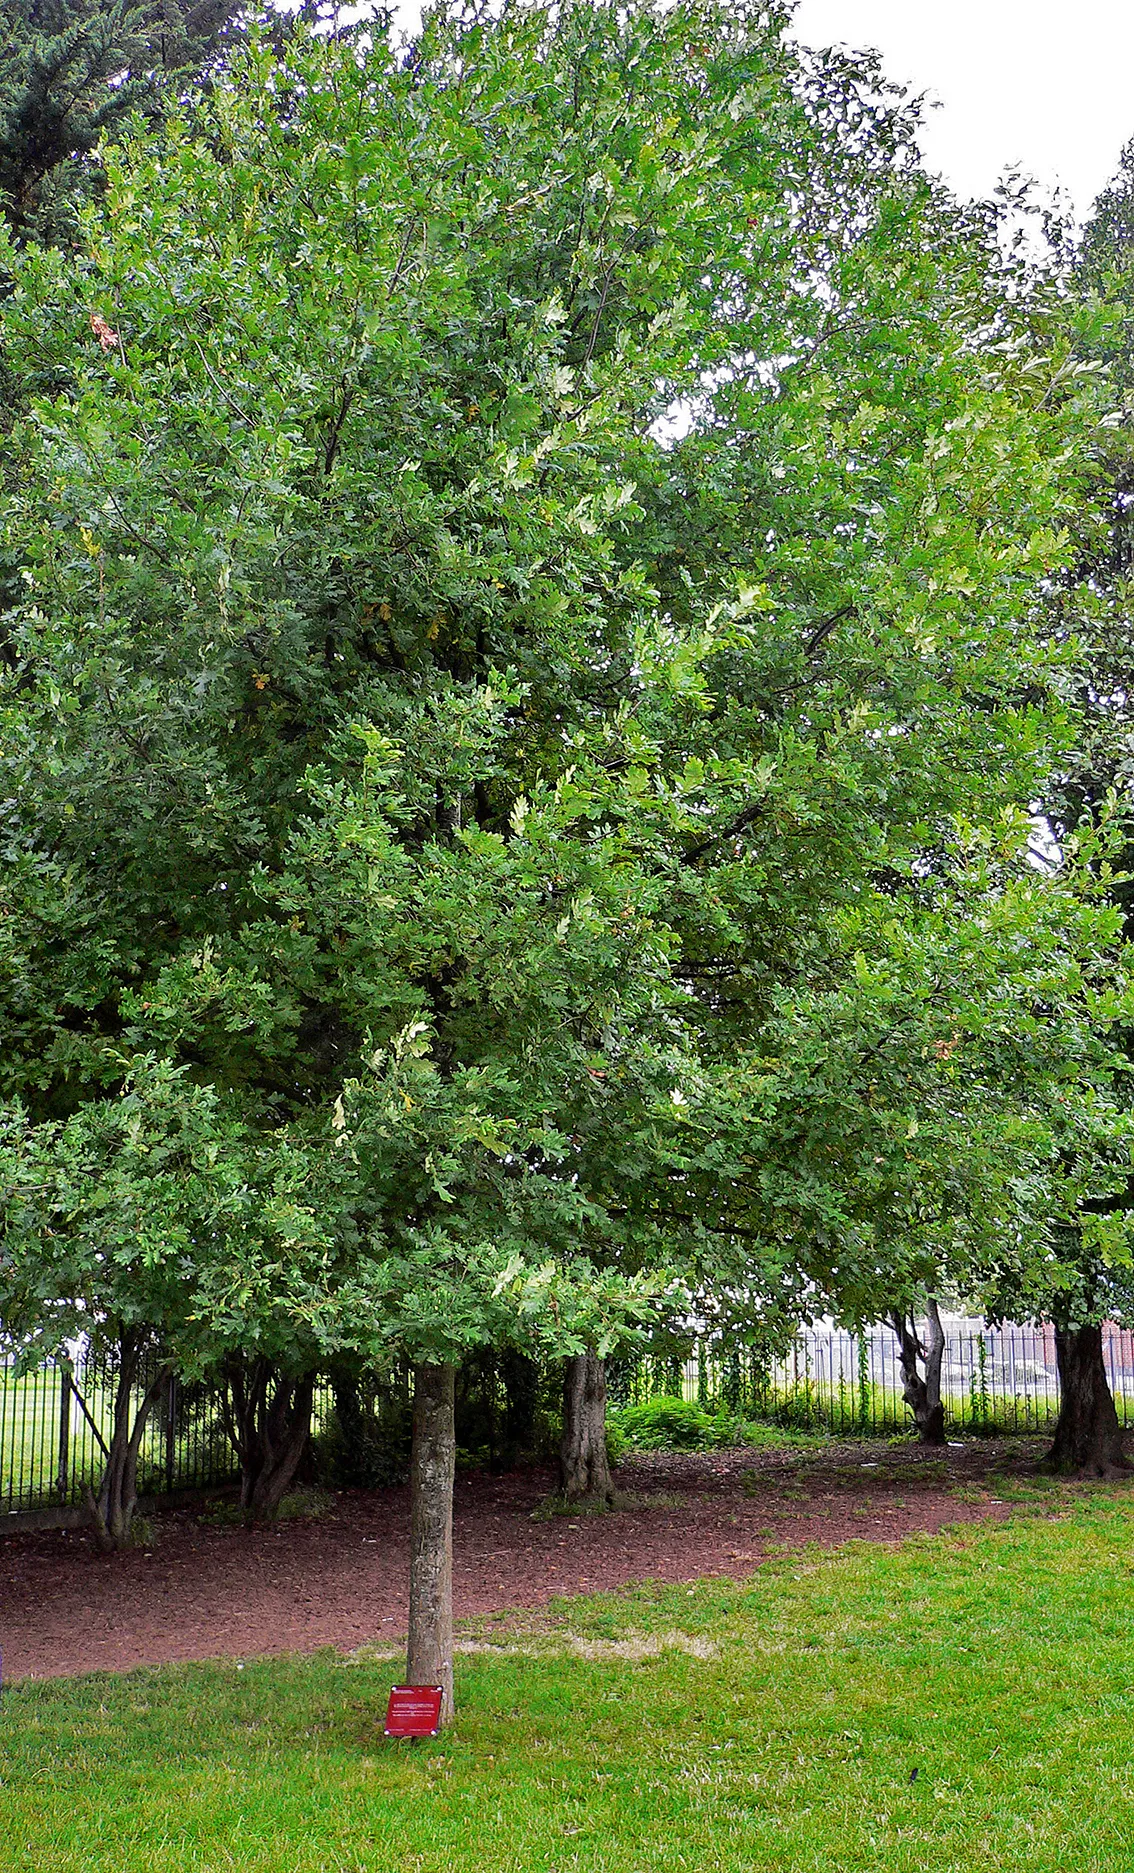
<point x="204" y="1591"/>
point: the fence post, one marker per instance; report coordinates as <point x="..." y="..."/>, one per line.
<point x="63" y="1477"/>
<point x="170" y="1430"/>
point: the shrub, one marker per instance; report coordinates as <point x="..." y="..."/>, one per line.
<point x="306" y="1503"/>
<point x="797" y="1409"/>
<point x="670" y="1424"/>
<point x="615" y="1442"/>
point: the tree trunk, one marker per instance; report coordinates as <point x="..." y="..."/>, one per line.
<point x="584" y="1470"/>
<point x="934" y="1357"/>
<point x="112" y="1510"/>
<point x="268" y="1417"/>
<point x="922" y="1395"/>
<point x="1088" y="1437"/>
<point x="433" y="1465"/>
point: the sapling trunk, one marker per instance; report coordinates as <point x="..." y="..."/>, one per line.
<point x="1088" y="1438"/>
<point x="112" y="1509"/>
<point x="584" y="1468"/>
<point x="433" y="1465"/>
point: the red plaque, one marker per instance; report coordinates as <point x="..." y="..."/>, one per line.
<point x="414" y="1710"/>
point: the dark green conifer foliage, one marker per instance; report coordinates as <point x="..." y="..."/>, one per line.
<point x="70" y="70"/>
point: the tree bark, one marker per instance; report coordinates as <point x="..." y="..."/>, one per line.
<point x="268" y="1417"/>
<point x="112" y="1509"/>
<point x="1088" y="1438"/>
<point x="922" y="1395"/>
<point x="584" y="1469"/>
<point x="433" y="1465"/>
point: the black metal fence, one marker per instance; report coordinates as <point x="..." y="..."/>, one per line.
<point x="55" y="1426"/>
<point x="994" y="1379"/>
<point x="55" y="1421"/>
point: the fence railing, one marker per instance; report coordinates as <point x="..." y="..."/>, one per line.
<point x="55" y="1425"/>
<point x="993" y="1379"/>
<point x="55" y="1421"/>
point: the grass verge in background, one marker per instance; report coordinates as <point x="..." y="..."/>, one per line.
<point x="961" y="1702"/>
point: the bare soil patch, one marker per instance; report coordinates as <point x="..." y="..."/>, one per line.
<point x="205" y="1591"/>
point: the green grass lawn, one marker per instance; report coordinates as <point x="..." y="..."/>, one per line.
<point x="29" y="1444"/>
<point x="959" y="1703"/>
<point x="29" y="1436"/>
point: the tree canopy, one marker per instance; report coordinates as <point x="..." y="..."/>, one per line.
<point x="415" y="740"/>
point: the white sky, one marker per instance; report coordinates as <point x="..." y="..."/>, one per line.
<point x="1047" y="86"/>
